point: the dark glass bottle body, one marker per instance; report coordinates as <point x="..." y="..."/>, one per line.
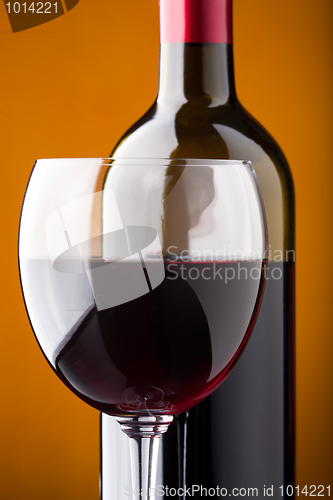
<point x="243" y="435"/>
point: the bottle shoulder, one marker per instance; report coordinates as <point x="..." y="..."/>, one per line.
<point x="219" y="131"/>
<point x="253" y="129"/>
<point x="205" y="130"/>
<point x="142" y="123"/>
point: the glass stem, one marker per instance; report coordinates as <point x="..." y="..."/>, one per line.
<point x="144" y="433"/>
<point x="143" y="452"/>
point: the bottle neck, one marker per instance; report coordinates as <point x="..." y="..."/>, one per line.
<point x="196" y="56"/>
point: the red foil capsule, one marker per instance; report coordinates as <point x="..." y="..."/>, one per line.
<point x="196" y="21"/>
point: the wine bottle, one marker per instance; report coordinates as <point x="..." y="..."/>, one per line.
<point x="243" y="435"/>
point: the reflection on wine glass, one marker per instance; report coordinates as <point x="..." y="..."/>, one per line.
<point x="142" y="280"/>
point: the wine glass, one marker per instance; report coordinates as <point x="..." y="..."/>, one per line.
<point x="142" y="279"/>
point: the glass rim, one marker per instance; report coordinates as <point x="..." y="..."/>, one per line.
<point x="151" y="160"/>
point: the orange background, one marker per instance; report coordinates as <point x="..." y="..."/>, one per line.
<point x="70" y="88"/>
